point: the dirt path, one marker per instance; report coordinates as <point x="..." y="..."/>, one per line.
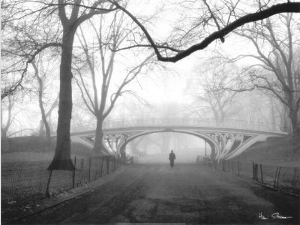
<point x="185" y="194"/>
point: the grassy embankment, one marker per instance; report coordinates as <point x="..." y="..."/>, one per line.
<point x="275" y="151"/>
<point x="35" y="149"/>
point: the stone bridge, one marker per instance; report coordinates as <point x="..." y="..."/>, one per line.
<point x="227" y="140"/>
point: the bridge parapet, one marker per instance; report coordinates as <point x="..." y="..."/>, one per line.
<point x="190" y="122"/>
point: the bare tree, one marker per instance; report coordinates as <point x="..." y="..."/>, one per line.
<point x="101" y="98"/>
<point x="284" y="122"/>
<point x="278" y="70"/>
<point x="24" y="36"/>
<point x="9" y="115"/>
<point x="209" y="89"/>
<point x="5" y="125"/>
<point x="77" y="16"/>
<point x="43" y="75"/>
<point x="47" y="117"/>
<point x="70" y="15"/>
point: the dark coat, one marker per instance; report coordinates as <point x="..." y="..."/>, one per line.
<point x="172" y="156"/>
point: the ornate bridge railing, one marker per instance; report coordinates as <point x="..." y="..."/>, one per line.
<point x="190" y="122"/>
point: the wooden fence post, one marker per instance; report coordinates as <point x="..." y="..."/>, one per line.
<point x="276" y="177"/>
<point x="47" y="189"/>
<point x="96" y="166"/>
<point x="295" y="177"/>
<point x="74" y="173"/>
<point x="82" y="171"/>
<point x="115" y="163"/>
<point x="254" y="170"/>
<point x="99" y="166"/>
<point x="102" y="166"/>
<point x="107" y="164"/>
<point x="261" y="174"/>
<point x="90" y="169"/>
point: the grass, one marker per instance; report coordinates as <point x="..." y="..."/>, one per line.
<point x="24" y="173"/>
<point x="24" y="184"/>
<point x="34" y="149"/>
<point x="275" y="151"/>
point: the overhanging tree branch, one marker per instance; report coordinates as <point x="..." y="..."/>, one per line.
<point x="292" y="7"/>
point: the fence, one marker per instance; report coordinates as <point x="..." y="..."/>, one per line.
<point x="23" y="179"/>
<point x="285" y="179"/>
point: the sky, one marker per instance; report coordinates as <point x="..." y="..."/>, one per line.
<point x="170" y="85"/>
<point x="167" y="87"/>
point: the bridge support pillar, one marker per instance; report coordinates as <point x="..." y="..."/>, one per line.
<point x="123" y="153"/>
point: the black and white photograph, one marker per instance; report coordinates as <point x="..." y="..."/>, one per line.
<point x="150" y="112"/>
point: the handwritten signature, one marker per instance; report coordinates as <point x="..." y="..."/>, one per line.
<point x="273" y="216"/>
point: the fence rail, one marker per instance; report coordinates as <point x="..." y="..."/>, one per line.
<point x="285" y="179"/>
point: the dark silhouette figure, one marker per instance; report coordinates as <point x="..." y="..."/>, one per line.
<point x="172" y="158"/>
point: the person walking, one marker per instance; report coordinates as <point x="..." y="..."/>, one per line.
<point x="172" y="158"/>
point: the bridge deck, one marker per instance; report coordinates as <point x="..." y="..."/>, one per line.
<point x="235" y="126"/>
<point x="172" y="128"/>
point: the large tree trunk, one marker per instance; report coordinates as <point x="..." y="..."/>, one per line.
<point x="296" y="130"/>
<point x="293" y="115"/>
<point x="48" y="115"/>
<point x="62" y="158"/>
<point x="44" y="119"/>
<point x="99" y="148"/>
<point x="272" y="112"/>
<point x="4" y="141"/>
<point x="285" y="120"/>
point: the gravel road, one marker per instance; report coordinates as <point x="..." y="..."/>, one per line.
<point x="188" y="193"/>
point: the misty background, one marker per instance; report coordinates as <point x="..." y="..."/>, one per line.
<point x="226" y="81"/>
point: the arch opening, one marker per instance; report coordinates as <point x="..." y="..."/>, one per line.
<point x="187" y="145"/>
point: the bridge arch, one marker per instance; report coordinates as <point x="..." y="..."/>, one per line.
<point x="212" y="143"/>
<point x="227" y="140"/>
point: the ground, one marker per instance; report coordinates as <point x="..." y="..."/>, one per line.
<point x="188" y="193"/>
<point x="274" y="152"/>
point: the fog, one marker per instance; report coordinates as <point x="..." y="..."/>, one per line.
<point x="186" y="89"/>
<point x="182" y="156"/>
<point x="155" y="148"/>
